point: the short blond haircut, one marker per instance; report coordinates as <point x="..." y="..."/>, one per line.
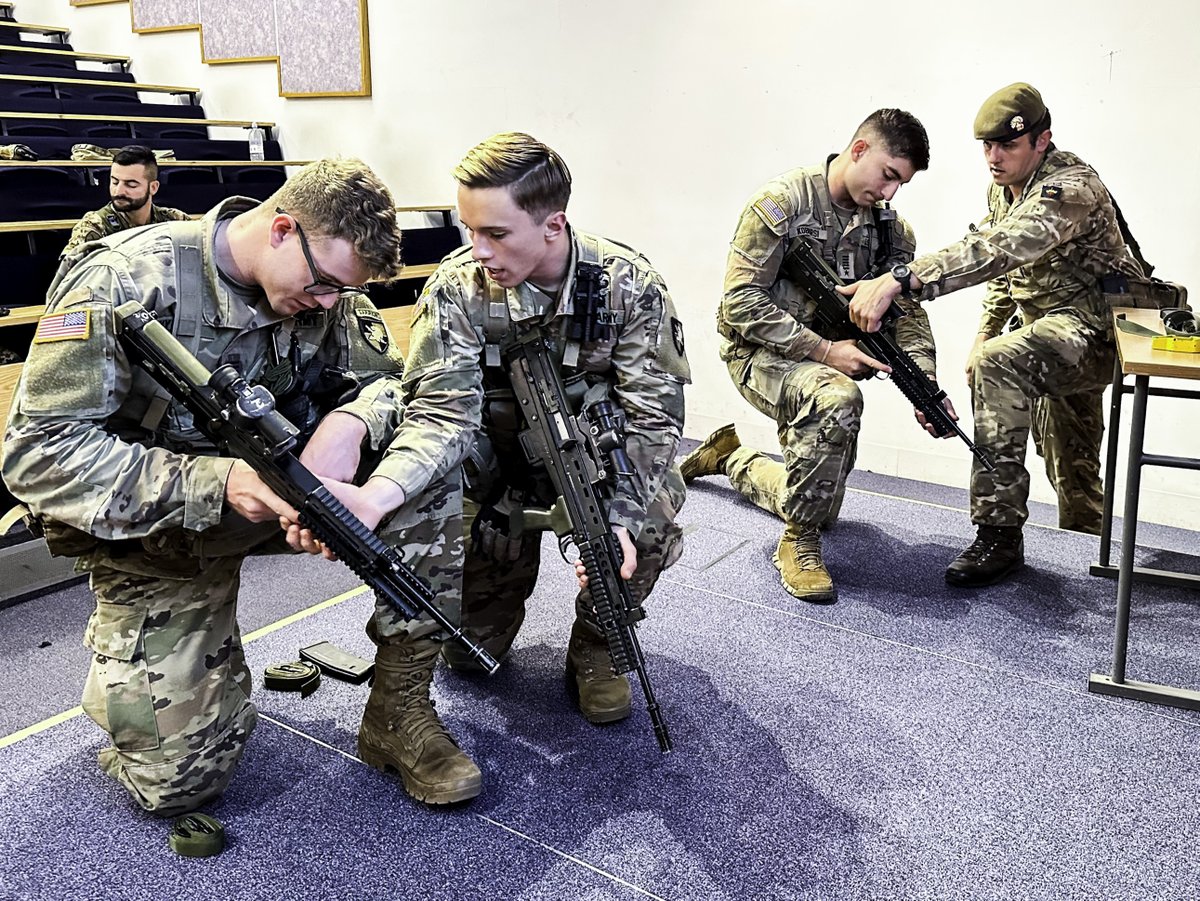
<point x="344" y="198"/>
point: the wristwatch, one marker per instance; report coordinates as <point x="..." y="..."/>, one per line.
<point x="902" y="274"/>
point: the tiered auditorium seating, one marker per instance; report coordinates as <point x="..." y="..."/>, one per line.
<point x="53" y="97"/>
<point x="50" y="100"/>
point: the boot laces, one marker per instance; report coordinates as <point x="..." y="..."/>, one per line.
<point x="987" y="542"/>
<point x="806" y="550"/>
<point x="592" y="658"/>
<point x="417" y="716"/>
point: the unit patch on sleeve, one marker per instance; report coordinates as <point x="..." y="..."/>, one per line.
<point x="73" y="326"/>
<point x="677" y="335"/>
<point x="1052" y="192"/>
<point x="374" y="332"/>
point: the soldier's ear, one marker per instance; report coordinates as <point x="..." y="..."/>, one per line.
<point x="153" y="187"/>
<point x="859" y="147"/>
<point x="281" y="225"/>
<point x="555" y="225"/>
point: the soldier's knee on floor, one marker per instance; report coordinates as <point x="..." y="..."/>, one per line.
<point x="185" y="783"/>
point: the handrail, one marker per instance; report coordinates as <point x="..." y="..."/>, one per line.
<point x="161" y="120"/>
<point x="102" y="83"/>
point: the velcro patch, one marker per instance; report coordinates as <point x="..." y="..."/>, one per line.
<point x="374" y="332"/>
<point x="677" y="335"/>
<point x="1052" y="192"/>
<point x="770" y="210"/>
<point x="73" y="326"/>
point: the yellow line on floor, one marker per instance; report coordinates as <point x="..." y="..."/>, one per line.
<point x="40" y="727"/>
<point x="51" y="722"/>
<point x="303" y="614"/>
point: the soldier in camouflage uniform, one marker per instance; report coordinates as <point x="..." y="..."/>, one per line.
<point x="518" y="274"/>
<point x="132" y="184"/>
<point x="118" y="476"/>
<point x="1050" y="239"/>
<point x="803" y="380"/>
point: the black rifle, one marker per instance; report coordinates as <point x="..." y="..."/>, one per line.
<point x="243" y="420"/>
<point x="831" y="319"/>
<point x="578" y="455"/>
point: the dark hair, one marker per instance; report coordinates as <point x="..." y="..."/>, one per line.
<point x="901" y="133"/>
<point x="136" y="154"/>
<point x="537" y="177"/>
<point x="1037" y="131"/>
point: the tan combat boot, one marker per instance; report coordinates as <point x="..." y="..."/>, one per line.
<point x="402" y="732"/>
<point x="801" y="569"/>
<point x="602" y="694"/>
<point x="709" y="458"/>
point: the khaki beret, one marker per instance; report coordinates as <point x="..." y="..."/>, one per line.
<point x="1011" y="112"/>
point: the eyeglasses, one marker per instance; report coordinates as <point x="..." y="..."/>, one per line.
<point x="320" y="286"/>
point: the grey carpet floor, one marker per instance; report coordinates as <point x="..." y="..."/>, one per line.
<point x="909" y="741"/>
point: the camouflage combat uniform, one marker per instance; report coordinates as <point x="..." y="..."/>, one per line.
<point x="120" y="478"/>
<point x="445" y="380"/>
<point x="1043" y="255"/>
<point x="763" y="321"/>
<point x="108" y="221"/>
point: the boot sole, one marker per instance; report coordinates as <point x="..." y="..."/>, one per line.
<point x="596" y="717"/>
<point x="813" y="597"/>
<point x="465" y="790"/>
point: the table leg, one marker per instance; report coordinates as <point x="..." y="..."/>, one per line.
<point x="1116" y="683"/>
<point x="1110" y="464"/>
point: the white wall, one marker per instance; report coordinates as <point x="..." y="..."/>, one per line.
<point x="670" y="113"/>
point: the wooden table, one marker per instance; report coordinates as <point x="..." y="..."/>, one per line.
<point x="1136" y="357"/>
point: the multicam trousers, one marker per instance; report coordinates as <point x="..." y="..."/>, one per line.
<point x="168" y="681"/>
<point x="818" y="411"/>
<point x="484" y="583"/>
<point x="1048" y="376"/>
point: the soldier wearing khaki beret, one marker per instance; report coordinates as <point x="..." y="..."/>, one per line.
<point x="1050" y="237"/>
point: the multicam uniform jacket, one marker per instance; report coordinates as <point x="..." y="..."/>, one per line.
<point x="1046" y="249"/>
<point x="108" y="220"/>
<point x="643" y="361"/>
<point x="761" y="307"/>
<point x="92" y="441"/>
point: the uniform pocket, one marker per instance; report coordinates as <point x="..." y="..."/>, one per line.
<point x="118" y="695"/>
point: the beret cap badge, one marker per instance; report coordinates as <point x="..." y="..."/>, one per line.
<point x="1017" y="123"/>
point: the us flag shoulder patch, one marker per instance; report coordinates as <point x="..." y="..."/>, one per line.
<point x="770" y="210"/>
<point x="73" y="326"/>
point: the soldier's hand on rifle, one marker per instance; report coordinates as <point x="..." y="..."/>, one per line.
<point x="335" y="448"/>
<point x="370" y="502"/>
<point x="950" y="411"/>
<point x="846" y="358"/>
<point x="871" y="298"/>
<point x="249" y="496"/>
<point x="628" y="554"/>
<point x="302" y="539"/>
